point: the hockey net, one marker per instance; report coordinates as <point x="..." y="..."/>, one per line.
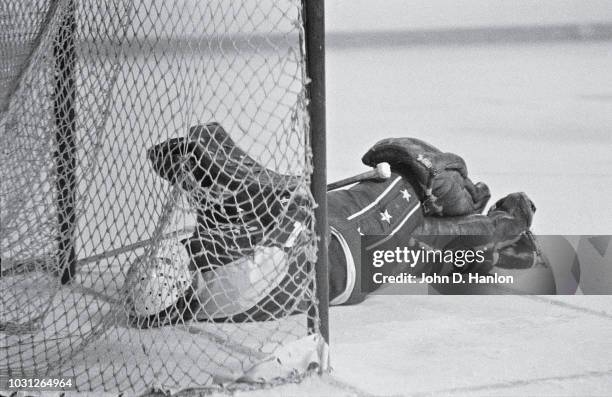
<point x="100" y="278"/>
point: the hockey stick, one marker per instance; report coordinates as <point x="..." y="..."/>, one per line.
<point x="381" y="172"/>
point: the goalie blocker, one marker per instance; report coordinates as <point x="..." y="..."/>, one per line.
<point x="249" y="218"/>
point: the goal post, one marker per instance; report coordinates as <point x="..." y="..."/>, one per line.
<point x="64" y="52"/>
<point x="163" y="193"/>
<point x="314" y="23"/>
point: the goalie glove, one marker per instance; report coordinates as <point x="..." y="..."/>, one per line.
<point x="506" y="225"/>
<point x="507" y="218"/>
<point x="441" y="178"/>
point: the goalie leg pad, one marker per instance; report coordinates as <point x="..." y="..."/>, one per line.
<point x="208" y="160"/>
<point x="238" y="286"/>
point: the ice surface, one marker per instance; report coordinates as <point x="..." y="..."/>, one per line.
<point x="533" y="118"/>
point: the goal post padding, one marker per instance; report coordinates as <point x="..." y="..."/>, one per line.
<point x="100" y="278"/>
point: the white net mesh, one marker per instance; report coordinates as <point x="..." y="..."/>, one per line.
<point x="157" y="225"/>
